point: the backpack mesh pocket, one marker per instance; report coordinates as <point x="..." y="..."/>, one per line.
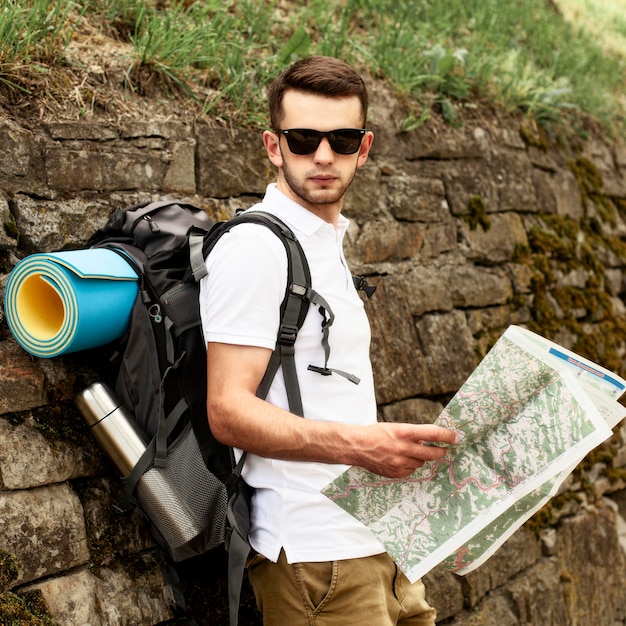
<point x="185" y="502"/>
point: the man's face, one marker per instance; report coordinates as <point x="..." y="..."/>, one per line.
<point x="317" y="181"/>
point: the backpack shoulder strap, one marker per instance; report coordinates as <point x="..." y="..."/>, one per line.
<point x="294" y="306"/>
<point x="293" y="311"/>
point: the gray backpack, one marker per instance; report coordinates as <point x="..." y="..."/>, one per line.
<point x="158" y="372"/>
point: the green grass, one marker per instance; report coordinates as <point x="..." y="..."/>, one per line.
<point x="523" y="56"/>
<point x="32" y="35"/>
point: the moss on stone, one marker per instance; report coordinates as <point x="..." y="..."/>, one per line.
<point x="521" y="254"/>
<point x="542" y="272"/>
<point x="543" y="518"/>
<point x="60" y="422"/>
<point x="601" y="344"/>
<point x="562" y="225"/>
<point x="612" y="243"/>
<point x="105" y="543"/>
<point x="595" y="302"/>
<point x="25" y="609"/>
<point x="518" y="302"/>
<point x="557" y="246"/>
<point x="616" y="474"/>
<point x="589" y="260"/>
<point x="551" y="244"/>
<point x="8" y="570"/>
<point x="591" y="186"/>
<point x="534" y="137"/>
<point x="587" y="175"/>
<point x="477" y="215"/>
<point x="11" y="230"/>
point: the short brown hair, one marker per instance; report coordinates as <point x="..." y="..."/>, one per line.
<point x="319" y="75"/>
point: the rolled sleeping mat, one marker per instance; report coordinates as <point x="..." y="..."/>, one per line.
<point x="63" y="302"/>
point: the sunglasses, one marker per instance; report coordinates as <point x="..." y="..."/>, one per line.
<point x="306" y="141"/>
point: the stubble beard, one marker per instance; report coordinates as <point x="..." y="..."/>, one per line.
<point x="318" y="197"/>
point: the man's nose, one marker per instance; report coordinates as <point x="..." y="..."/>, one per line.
<point x="324" y="153"/>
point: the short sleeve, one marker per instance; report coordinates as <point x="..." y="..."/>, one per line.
<point x="240" y="297"/>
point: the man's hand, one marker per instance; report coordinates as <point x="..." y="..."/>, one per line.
<point x="396" y="450"/>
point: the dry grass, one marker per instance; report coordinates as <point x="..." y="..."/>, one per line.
<point x="604" y="19"/>
<point x="97" y="73"/>
<point x="92" y="77"/>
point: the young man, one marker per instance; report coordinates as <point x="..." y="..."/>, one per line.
<point x="314" y="563"/>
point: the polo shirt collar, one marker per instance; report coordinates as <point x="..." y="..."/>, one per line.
<point x="296" y="216"/>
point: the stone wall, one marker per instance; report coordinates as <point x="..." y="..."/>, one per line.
<point x="465" y="230"/>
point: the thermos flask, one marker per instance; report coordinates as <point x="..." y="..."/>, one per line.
<point x="115" y="431"/>
<point x="124" y="443"/>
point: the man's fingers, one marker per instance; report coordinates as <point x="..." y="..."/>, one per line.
<point x="431" y="434"/>
<point x="426" y="452"/>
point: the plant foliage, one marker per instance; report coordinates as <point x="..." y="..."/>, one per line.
<point x="523" y="56"/>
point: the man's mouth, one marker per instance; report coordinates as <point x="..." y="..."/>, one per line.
<point x="323" y="179"/>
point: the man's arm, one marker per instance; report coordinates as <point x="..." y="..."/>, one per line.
<point x="239" y="419"/>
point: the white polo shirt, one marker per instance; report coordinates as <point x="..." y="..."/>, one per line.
<point x="239" y="302"/>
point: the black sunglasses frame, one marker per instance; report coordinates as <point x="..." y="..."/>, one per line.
<point x="313" y="138"/>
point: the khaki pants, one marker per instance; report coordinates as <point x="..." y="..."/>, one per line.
<point x="353" y="592"/>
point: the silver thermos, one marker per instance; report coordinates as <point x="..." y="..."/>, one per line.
<point x="115" y="431"/>
<point x="124" y="443"/>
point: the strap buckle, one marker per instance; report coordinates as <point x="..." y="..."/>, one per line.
<point x="287" y="335"/>
<point x="298" y="290"/>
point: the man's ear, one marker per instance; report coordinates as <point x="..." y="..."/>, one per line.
<point x="271" y="141"/>
<point x="364" y="150"/>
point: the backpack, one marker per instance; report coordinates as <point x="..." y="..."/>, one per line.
<point x="158" y="371"/>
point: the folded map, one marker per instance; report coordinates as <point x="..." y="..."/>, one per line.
<point x="527" y="416"/>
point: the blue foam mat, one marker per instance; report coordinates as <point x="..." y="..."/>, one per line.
<point x="63" y="302"/>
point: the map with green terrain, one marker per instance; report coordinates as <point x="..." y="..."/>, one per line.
<point x="526" y="417"/>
